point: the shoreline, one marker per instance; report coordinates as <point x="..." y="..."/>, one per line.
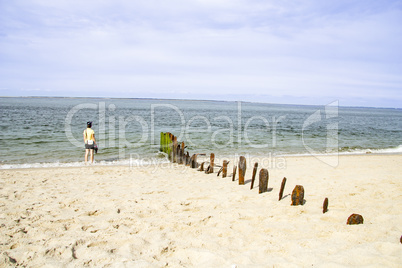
<point x="158" y="161"/>
<point x="180" y="217"/>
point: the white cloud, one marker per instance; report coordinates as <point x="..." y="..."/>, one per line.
<point x="300" y="48"/>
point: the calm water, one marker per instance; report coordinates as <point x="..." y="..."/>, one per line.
<point x="48" y="131"/>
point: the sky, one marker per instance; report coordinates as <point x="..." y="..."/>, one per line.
<point x="273" y="51"/>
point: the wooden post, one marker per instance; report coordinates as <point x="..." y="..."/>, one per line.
<point x="179" y="156"/>
<point x="201" y="167"/>
<point x="187" y="162"/>
<point x="183" y="157"/>
<point x="263" y="185"/>
<point x="174" y="149"/>
<point x="355" y="219"/>
<point x="162" y="142"/>
<point x="224" y="168"/>
<point x="219" y="172"/>
<point x="298" y="195"/>
<point x="282" y="189"/>
<point x="208" y="169"/>
<point x="169" y="145"/>
<point x="167" y="137"/>
<point x="211" y="163"/>
<point x="193" y="161"/>
<point x="165" y="144"/>
<point x="171" y="149"/>
<point x="254" y="173"/>
<point x="325" y="206"/>
<point x="234" y="173"/>
<point x="242" y="169"/>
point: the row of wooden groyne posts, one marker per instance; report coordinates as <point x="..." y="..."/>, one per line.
<point x="177" y="154"/>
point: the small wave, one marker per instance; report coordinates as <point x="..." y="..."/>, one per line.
<point x="41" y="165"/>
<point x="123" y="162"/>
<point x="393" y="150"/>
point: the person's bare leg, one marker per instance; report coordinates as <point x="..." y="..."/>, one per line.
<point x="92" y="155"/>
<point x="86" y="155"/>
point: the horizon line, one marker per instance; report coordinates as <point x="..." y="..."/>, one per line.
<point x="186" y="99"/>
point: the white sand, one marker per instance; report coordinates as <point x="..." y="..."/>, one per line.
<point x="175" y="216"/>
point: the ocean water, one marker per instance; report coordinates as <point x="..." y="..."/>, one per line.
<point x="42" y="132"/>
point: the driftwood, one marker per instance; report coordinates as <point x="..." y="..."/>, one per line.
<point x="355" y="219"/>
<point x="325" y="206"/>
<point x="282" y="189"/>
<point x="225" y="168"/>
<point x="263" y="186"/>
<point x="242" y="169"/>
<point x="234" y="173"/>
<point x="253" y="177"/>
<point x="298" y="195"/>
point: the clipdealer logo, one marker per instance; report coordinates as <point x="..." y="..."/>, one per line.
<point x="330" y="114"/>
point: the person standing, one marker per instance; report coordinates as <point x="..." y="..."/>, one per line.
<point x="90" y="142"/>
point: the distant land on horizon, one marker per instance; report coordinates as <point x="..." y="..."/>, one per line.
<point x="189" y="99"/>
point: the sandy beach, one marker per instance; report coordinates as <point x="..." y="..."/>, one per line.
<point x="175" y="216"/>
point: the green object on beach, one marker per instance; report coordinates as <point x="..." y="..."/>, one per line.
<point x="165" y="142"/>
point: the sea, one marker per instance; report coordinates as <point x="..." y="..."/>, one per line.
<point x="40" y="132"/>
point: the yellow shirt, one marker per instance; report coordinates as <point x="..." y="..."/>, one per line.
<point x="89" y="134"/>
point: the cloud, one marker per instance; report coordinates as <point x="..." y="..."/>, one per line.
<point x="304" y="49"/>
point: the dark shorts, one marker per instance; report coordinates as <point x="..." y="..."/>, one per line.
<point x="90" y="146"/>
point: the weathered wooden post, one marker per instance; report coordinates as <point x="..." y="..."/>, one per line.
<point x="234" y="173"/>
<point x="355" y="219"/>
<point x="298" y="195"/>
<point x="211" y="163"/>
<point x="183" y="157"/>
<point x="254" y="173"/>
<point x="178" y="154"/>
<point x="167" y="138"/>
<point x="201" y="167"/>
<point x="242" y="169"/>
<point x="174" y="149"/>
<point x="224" y="168"/>
<point x="208" y="169"/>
<point x="166" y="143"/>
<point x="171" y="149"/>
<point x="282" y="189"/>
<point x="264" y="176"/>
<point x="187" y="161"/>
<point x="325" y="205"/>
<point x="169" y="145"/>
<point x="219" y="172"/>
<point x="162" y="142"/>
<point x="193" y="161"/>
